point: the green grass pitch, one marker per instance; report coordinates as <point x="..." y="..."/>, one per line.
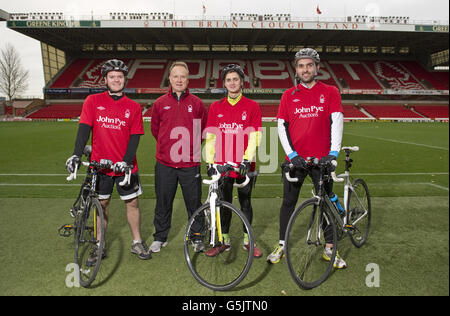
<point x="404" y="164"/>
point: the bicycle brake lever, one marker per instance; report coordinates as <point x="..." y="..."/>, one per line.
<point x="214" y="178"/>
<point x="127" y="178"/>
<point x="73" y="175"/>
<point x="243" y="184"/>
<point x="333" y="173"/>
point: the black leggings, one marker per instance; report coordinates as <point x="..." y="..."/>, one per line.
<point x="291" y="191"/>
<point x="244" y="195"/>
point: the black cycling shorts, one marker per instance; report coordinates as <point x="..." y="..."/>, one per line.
<point x="105" y="185"/>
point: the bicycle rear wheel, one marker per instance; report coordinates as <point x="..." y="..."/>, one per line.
<point x="305" y="242"/>
<point x="227" y="269"/>
<point x="89" y="241"/>
<point x="359" y="212"/>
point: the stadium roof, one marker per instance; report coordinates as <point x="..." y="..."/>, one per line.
<point x="159" y="33"/>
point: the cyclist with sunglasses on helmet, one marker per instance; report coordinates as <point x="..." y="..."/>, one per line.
<point x="310" y="124"/>
<point x="116" y="125"/>
<point x="233" y="132"/>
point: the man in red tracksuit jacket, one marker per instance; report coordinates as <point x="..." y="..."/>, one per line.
<point x="178" y="119"/>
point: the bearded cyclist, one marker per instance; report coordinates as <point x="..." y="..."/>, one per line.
<point x="310" y="124"/>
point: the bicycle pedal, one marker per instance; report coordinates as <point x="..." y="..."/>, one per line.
<point x="348" y="226"/>
<point x="65" y="230"/>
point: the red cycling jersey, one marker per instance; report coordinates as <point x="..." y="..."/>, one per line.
<point x="308" y="113"/>
<point x="232" y="125"/>
<point x="112" y="122"/>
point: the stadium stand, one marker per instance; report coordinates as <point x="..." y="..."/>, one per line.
<point x="397" y="76"/>
<point x="23" y="107"/>
<point x="151" y="75"/>
<point x="272" y="74"/>
<point x="265" y="74"/>
<point x="68" y="77"/>
<point x="57" y="111"/>
<point x="146" y="73"/>
<point x="354" y="75"/>
<point x="391" y="112"/>
<point x="269" y="110"/>
<point x="433" y="80"/>
<point x="351" y="112"/>
<point x="380" y="78"/>
<point x="8" y="110"/>
<point x="434" y="112"/>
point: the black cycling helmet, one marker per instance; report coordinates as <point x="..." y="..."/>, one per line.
<point x="114" y="65"/>
<point x="307" y="53"/>
<point x="230" y="68"/>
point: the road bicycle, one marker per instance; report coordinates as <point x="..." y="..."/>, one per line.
<point x="318" y="217"/>
<point x="227" y="269"/>
<point x="88" y="227"/>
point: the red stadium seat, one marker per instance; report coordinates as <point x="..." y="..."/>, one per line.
<point x="351" y="112"/>
<point x="390" y="111"/>
<point x="260" y="74"/>
<point x="67" y="78"/>
<point x="355" y="74"/>
<point x="57" y="111"/>
<point x="432" y="111"/>
<point x="436" y="79"/>
<point x="396" y="75"/>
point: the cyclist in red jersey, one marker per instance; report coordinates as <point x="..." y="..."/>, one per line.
<point x="310" y="124"/>
<point x="233" y="133"/>
<point x="116" y="124"/>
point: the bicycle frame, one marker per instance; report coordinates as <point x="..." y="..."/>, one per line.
<point x="348" y="186"/>
<point x="215" y="215"/>
<point x="89" y="183"/>
<point x="213" y="196"/>
<point x="322" y="197"/>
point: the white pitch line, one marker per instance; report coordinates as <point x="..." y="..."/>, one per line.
<point x="438" y="186"/>
<point x="280" y="185"/>
<point x="398" y="141"/>
<point x="373" y="174"/>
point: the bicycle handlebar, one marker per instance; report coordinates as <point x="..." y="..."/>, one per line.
<point x="227" y="167"/>
<point x="103" y="164"/>
<point x="313" y="162"/>
<point x="350" y="148"/>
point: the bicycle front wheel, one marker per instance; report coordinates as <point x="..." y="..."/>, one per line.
<point x="229" y="266"/>
<point x="309" y="228"/>
<point x="89" y="241"/>
<point x="359" y="212"/>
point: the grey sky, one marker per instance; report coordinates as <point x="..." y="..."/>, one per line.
<point x="30" y="49"/>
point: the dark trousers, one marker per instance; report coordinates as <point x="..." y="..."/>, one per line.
<point x="291" y="191"/>
<point x="244" y="195"/>
<point x="166" y="184"/>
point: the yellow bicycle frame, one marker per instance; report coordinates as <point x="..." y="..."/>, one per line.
<point x="218" y="225"/>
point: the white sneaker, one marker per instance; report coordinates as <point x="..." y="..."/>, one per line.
<point x="156" y="245"/>
<point x="276" y="255"/>
<point x="339" y="263"/>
